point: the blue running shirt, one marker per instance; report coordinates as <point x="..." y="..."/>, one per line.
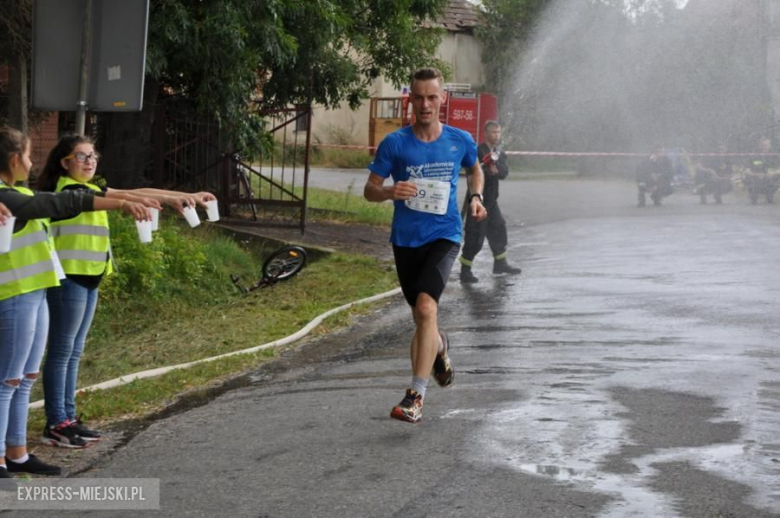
<point x="403" y="156"/>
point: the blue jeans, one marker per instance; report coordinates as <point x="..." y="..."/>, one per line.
<point x="72" y="307"/>
<point x="24" y="322"/>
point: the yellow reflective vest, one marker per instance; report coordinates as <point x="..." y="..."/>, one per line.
<point x="82" y="243"/>
<point x="28" y="266"/>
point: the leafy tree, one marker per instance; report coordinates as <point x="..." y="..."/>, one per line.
<point x="356" y="41"/>
<point x="221" y="55"/>
<point x="218" y="57"/>
<point x="15" y="19"/>
<point x="508" y="26"/>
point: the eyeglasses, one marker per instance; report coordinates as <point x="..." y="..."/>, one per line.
<point x="83" y="157"/>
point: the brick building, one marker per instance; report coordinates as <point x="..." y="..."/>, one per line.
<point x="43" y="128"/>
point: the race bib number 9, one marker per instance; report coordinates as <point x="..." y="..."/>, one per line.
<point x="433" y="196"/>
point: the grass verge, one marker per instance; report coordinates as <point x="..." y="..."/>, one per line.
<point x="141" y="325"/>
<point x="348" y="207"/>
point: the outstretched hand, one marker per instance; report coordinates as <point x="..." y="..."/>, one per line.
<point x="180" y="201"/>
<point x="203" y="197"/>
<point x="4" y="213"/>
<point x="149" y="202"/>
<point x="137" y="210"/>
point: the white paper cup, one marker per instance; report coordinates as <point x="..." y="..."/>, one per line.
<point x="155" y="219"/>
<point x="191" y="215"/>
<point x="6" y="233"/>
<point x="144" y="231"/>
<point x="212" y="209"/>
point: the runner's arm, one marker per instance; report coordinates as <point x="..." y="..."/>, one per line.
<point x="376" y="191"/>
<point x="476" y="182"/>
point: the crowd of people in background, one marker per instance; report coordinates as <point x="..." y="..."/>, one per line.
<point x="60" y="252"/>
<point x="713" y="175"/>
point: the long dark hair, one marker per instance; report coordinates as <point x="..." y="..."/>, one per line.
<point x="53" y="170"/>
<point x="12" y="142"/>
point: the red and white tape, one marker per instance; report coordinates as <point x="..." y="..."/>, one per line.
<point x="576" y="154"/>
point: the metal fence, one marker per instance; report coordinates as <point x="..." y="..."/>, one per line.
<point x="193" y="154"/>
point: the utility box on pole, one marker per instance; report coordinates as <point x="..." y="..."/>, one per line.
<point x="117" y="56"/>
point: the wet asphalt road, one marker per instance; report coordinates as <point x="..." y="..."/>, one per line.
<point x="632" y="370"/>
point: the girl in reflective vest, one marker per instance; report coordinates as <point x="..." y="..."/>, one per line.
<point x="83" y="246"/>
<point x="26" y="272"/>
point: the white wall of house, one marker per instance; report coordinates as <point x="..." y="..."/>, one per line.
<point x="344" y="126"/>
<point x="773" y="54"/>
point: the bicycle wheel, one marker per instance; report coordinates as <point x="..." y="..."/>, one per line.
<point x="284" y="263"/>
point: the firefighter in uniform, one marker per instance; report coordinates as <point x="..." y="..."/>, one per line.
<point x="760" y="177"/>
<point x="495" y="168"/>
<point x="713" y="176"/>
<point x="654" y="177"/>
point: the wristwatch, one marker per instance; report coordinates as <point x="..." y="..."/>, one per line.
<point x="476" y="195"/>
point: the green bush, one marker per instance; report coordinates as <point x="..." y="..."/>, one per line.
<point x="176" y="261"/>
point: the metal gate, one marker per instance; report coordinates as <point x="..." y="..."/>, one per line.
<point x="191" y="155"/>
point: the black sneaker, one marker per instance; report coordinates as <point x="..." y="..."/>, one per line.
<point x="33" y="465"/>
<point x="62" y="436"/>
<point x="443" y="372"/>
<point x="502" y="266"/>
<point x="467" y="276"/>
<point x="84" y="432"/>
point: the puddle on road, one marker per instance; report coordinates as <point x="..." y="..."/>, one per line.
<point x="555" y="436"/>
<point x="559" y="473"/>
<point x="633" y="499"/>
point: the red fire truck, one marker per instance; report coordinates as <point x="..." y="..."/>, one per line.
<point x="461" y="108"/>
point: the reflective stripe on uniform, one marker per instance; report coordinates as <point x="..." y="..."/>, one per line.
<point x="83" y="241"/>
<point x="23" y="272"/>
<point x="82" y="255"/>
<point x="28" y="266"/>
<point x="29" y="239"/>
<point x="79" y="230"/>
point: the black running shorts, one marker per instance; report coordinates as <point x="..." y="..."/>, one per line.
<point x="425" y="269"/>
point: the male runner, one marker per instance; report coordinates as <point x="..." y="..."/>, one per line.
<point x="424" y="161"/>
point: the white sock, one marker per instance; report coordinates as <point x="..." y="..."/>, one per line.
<point x="419" y="385"/>
<point x="21" y="460"/>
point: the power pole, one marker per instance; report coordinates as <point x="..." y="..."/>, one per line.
<point x="17" y="86"/>
<point x="86" y="53"/>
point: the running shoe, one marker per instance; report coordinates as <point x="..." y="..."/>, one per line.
<point x="33" y="465"/>
<point x="84" y="432"/>
<point x="63" y="436"/>
<point x="443" y="372"/>
<point x="409" y="409"/>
